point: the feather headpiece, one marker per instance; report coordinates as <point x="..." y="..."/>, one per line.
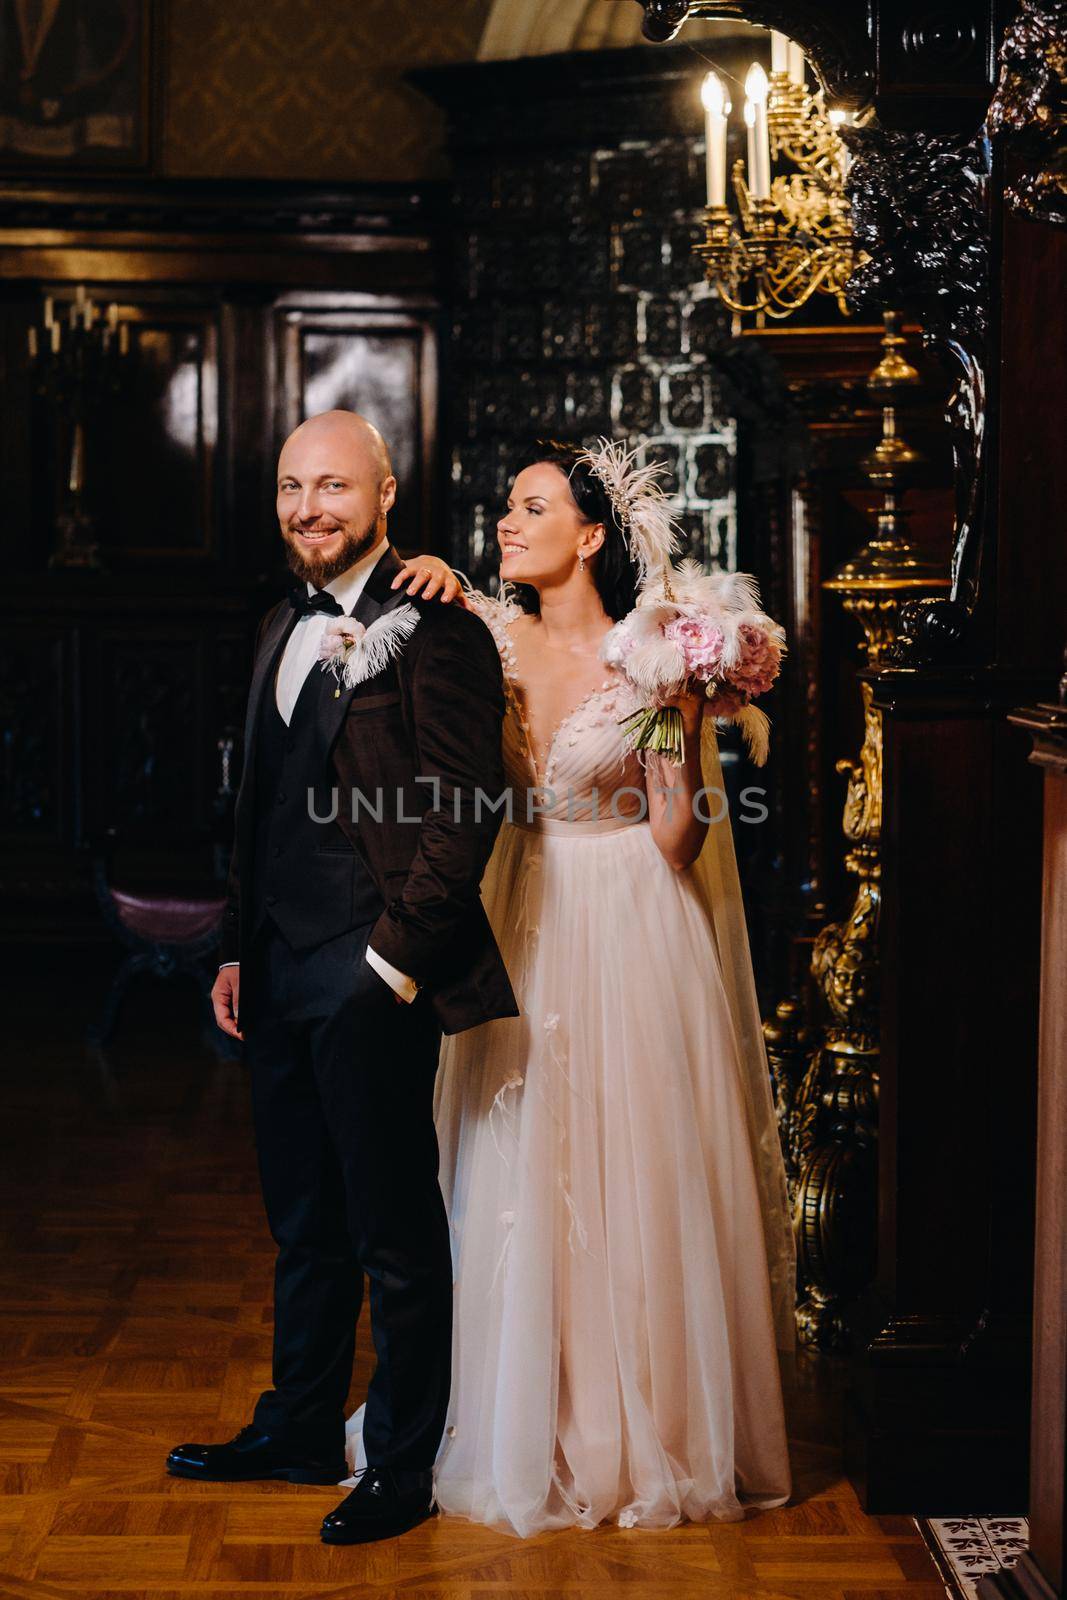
<point x="639" y="502"/>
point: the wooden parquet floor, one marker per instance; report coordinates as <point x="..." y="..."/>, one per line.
<point x="134" y="1313"/>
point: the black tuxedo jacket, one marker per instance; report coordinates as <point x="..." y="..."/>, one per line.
<point x="434" y="714"/>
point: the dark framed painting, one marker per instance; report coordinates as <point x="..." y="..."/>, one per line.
<point x="380" y="360"/>
<point x="77" y="80"/>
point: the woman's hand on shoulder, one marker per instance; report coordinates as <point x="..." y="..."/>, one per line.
<point x="427" y="576"/>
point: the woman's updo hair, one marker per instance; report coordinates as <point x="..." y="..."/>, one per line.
<point x="613" y="572"/>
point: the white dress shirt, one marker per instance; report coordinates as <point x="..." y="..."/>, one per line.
<point x="299" y="656"/>
<point x="302" y="646"/>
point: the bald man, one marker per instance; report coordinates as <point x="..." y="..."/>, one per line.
<point x="353" y="935"/>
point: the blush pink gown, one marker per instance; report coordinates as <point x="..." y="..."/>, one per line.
<point x="610" y="1162"/>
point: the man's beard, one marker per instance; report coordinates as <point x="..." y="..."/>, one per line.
<point x="315" y="569"/>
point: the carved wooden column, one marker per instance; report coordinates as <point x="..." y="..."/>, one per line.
<point x="1029" y="118"/>
<point x="1039" y="1574"/>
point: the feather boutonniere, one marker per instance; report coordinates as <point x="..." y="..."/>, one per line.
<point x="354" y="653"/>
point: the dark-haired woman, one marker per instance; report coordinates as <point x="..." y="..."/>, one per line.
<point x="609" y="1158"/>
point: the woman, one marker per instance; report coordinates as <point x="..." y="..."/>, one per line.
<point x="609" y="1158"/>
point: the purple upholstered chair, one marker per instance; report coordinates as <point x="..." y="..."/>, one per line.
<point x="171" y="930"/>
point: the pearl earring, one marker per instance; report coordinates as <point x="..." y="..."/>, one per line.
<point x="581" y="562"/>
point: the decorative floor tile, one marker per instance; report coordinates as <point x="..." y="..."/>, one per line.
<point x="1009" y="1537"/>
<point x="967" y="1548"/>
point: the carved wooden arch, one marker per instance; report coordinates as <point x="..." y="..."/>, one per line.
<point x="836" y="38"/>
<point x="515" y="28"/>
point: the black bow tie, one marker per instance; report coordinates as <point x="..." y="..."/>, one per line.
<point x="320" y="602"/>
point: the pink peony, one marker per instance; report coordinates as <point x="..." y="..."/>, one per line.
<point x="701" y="641"/>
<point x="760" y="663"/>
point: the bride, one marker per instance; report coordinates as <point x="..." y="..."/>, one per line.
<point x="609" y="1159"/>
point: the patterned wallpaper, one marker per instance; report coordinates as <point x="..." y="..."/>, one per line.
<point x="309" y="88"/>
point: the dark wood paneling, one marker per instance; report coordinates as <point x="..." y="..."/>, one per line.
<point x="941" y="1380"/>
<point x="1048" y="1459"/>
<point x="1032" y="558"/>
<point x="36" y="799"/>
<point x="247" y="304"/>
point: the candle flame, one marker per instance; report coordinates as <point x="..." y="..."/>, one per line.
<point x="713" y="95"/>
<point x="756" y="83"/>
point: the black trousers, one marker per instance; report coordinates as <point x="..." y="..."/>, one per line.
<point x="342" y="1091"/>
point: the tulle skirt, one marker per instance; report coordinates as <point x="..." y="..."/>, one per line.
<point x="614" y="1350"/>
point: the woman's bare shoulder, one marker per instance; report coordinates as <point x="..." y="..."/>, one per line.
<point x="523" y="626"/>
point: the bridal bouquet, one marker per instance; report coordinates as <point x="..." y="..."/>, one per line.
<point x="697" y="632"/>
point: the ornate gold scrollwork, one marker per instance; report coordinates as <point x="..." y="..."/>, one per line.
<point x="829" y="1123"/>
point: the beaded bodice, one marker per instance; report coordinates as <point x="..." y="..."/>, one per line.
<point x="586" y="761"/>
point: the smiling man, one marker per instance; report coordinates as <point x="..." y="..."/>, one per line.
<point x="330" y="517"/>
<point x="347" y="948"/>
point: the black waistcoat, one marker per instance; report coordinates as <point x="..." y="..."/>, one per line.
<point x="306" y="876"/>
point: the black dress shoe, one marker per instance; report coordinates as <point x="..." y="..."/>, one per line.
<point x="251" y="1454"/>
<point x="386" y="1501"/>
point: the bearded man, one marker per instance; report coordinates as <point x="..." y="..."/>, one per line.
<point x="354" y="935"/>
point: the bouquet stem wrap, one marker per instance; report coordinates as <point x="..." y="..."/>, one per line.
<point x="660" y="731"/>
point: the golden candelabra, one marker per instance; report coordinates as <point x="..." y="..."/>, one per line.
<point x="76" y="358"/>
<point x="791" y="237"/>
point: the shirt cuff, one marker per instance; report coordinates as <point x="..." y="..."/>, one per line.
<point x="398" y="981"/>
<point x="228" y="964"/>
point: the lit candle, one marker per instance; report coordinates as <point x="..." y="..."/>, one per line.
<point x="72" y="314"/>
<point x="49" y="310"/>
<point x="716" y="111"/>
<point x="112" y="316"/>
<point x="124" y="339"/>
<point x="779" y="52"/>
<point x="80" y="292"/>
<point x="796" y="63"/>
<point x="759" y="141"/>
<point x="842" y="119"/>
<point x="31" y="339"/>
<point x="89" y="312"/>
<point x="56" y="330"/>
